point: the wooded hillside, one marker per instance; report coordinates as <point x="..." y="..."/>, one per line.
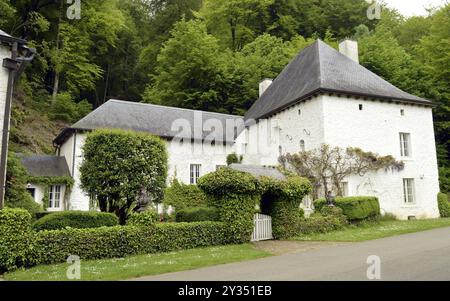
<point x="211" y="54"/>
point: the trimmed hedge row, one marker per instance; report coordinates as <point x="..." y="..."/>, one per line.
<point x="22" y="247"/>
<point x="75" y="219"/>
<point x="354" y="208"/>
<point x="16" y="239"/>
<point x="318" y="223"/>
<point x="444" y="205"/>
<point x="197" y="214"/>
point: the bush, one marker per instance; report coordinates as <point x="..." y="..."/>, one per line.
<point x="147" y="219"/>
<point x="318" y="223"/>
<point x="233" y="158"/>
<point x="331" y="210"/>
<point x="444" y="179"/>
<point x="181" y="196"/>
<point x="16" y="194"/>
<point x="16" y="239"/>
<point x="444" y="205"/>
<point x="235" y="194"/>
<point x="354" y="208"/>
<point x="66" y="109"/>
<point x="197" y="214"/>
<point x="281" y="201"/>
<point x="41" y="214"/>
<point x="115" y="242"/>
<point x="75" y="219"/>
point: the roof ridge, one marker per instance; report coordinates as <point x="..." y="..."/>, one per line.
<point x="168" y="107"/>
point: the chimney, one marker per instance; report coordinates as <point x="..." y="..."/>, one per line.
<point x="349" y="48"/>
<point x="263" y="85"/>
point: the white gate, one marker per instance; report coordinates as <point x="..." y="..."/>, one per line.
<point x="262" y="227"/>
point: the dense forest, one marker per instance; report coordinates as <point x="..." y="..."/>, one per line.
<point x="210" y="54"/>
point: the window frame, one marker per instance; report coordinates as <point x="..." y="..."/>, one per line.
<point x="405" y="145"/>
<point x="194" y="173"/>
<point x="54" y="197"/>
<point x="409" y="191"/>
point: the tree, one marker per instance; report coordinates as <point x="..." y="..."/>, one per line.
<point x="235" y="22"/>
<point x="16" y="194"/>
<point x="189" y="70"/>
<point x="326" y="167"/>
<point x="123" y="170"/>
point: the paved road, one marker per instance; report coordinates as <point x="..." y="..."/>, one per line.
<point x="418" y="256"/>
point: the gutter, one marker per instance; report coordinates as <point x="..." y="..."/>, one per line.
<point x="16" y="65"/>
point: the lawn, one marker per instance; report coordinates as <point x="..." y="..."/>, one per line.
<point x="143" y="265"/>
<point x="377" y="230"/>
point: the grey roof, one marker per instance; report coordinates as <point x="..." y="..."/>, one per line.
<point x="45" y="166"/>
<point x="159" y="120"/>
<point x="259" y="171"/>
<point x="4" y="37"/>
<point x="321" y="68"/>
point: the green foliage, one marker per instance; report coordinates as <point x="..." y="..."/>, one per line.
<point x="444" y="179"/>
<point x="355" y="208"/>
<point x="197" y="214"/>
<point x="233" y="158"/>
<point x="119" y="167"/>
<point x="181" y="196"/>
<point x="281" y="200"/>
<point x="444" y="205"/>
<point x="318" y="223"/>
<point x="147" y="218"/>
<point x="16" y="243"/>
<point x="331" y="210"/>
<point x="16" y="195"/>
<point x="235" y="194"/>
<point x="75" y="219"/>
<point x="64" y="108"/>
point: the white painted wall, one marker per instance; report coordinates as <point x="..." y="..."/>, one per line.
<point x="4" y="53"/>
<point x="39" y="194"/>
<point x="337" y="121"/>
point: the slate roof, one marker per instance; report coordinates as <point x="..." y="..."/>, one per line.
<point x="4" y="37"/>
<point x="259" y="171"/>
<point x="45" y="166"/>
<point x="321" y="68"/>
<point x="158" y="120"/>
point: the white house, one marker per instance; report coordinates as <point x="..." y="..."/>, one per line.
<point x="322" y="96"/>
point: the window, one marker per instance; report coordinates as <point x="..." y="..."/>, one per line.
<point x="344" y="188"/>
<point x="195" y="173"/>
<point x="280" y="150"/>
<point x="32" y="192"/>
<point x="402" y="112"/>
<point x="299" y="112"/>
<point x="302" y="145"/>
<point x="408" y="191"/>
<point x="405" y="145"/>
<point x="54" y="197"/>
<point x="360" y="107"/>
<point x="244" y="148"/>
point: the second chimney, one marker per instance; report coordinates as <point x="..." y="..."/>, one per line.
<point x="263" y="85"/>
<point x="349" y="48"/>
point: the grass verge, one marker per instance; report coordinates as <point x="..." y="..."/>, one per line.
<point x="142" y="265"/>
<point x="376" y="230"/>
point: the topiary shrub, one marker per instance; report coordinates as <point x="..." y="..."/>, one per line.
<point x="331" y="210"/>
<point x="281" y="201"/>
<point x="197" y="214"/>
<point x="444" y="205"/>
<point x="318" y="223"/>
<point x="181" y="196"/>
<point x="235" y="194"/>
<point x="75" y="219"/>
<point x="355" y="208"/>
<point x="147" y="218"/>
<point x="16" y="239"/>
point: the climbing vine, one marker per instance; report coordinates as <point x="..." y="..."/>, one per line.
<point x="47" y="182"/>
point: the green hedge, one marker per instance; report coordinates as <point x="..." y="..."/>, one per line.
<point x="354" y="208"/>
<point x="444" y="205"/>
<point x="281" y="200"/>
<point x="147" y="218"/>
<point x="197" y="214"/>
<point x="75" y="219"/>
<point x="318" y="223"/>
<point x="16" y="239"/>
<point x="182" y="196"/>
<point x="235" y="194"/>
